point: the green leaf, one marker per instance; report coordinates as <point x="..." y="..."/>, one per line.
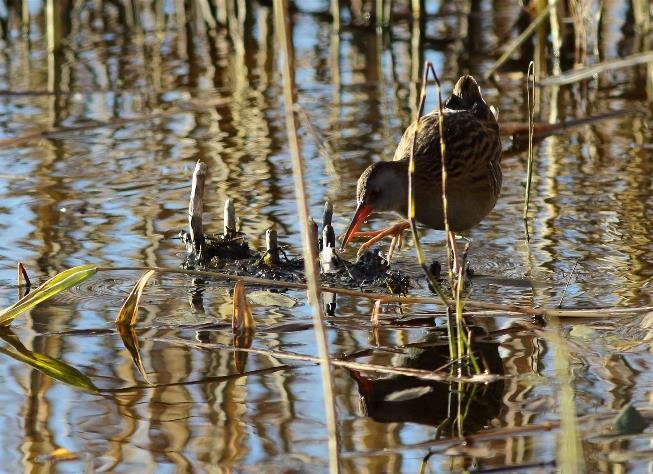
<point x="629" y="421"/>
<point x="55" y="285"/>
<point x="50" y="366"/>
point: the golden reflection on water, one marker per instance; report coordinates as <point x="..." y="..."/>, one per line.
<point x="108" y="195"/>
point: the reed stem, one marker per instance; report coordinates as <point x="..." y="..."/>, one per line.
<point x="411" y="190"/>
<point x="530" y="91"/>
<point x="309" y="245"/>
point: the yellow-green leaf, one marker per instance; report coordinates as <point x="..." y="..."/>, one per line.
<point x="55" y="285"/>
<point x="127" y="315"/>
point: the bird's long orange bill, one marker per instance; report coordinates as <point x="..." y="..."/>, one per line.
<point x="362" y="211"/>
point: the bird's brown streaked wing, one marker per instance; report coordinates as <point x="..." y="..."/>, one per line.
<point x="466" y="142"/>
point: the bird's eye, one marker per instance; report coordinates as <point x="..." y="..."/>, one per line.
<point x="374" y="193"/>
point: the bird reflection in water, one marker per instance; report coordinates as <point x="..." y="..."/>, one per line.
<point x="463" y="408"/>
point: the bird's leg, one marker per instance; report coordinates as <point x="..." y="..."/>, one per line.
<point x="454" y="254"/>
<point x="395" y="231"/>
<point x="397" y="242"/>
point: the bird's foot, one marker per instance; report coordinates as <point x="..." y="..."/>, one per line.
<point x="395" y="231"/>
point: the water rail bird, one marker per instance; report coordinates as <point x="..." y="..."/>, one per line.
<point x="473" y="164"/>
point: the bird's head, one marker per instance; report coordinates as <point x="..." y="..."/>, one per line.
<point x="382" y="187"/>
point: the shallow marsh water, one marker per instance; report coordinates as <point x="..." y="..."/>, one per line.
<point x="114" y="195"/>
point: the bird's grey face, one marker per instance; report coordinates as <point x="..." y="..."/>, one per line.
<point x="383" y="187"/>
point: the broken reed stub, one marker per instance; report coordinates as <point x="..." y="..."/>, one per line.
<point x="195" y="206"/>
<point x="327" y="216"/>
<point x="328" y="237"/>
<point x="328" y="234"/>
<point x="314" y="232"/>
<point x="330" y="303"/>
<point x="327" y="243"/>
<point x="271" y="248"/>
<point x="230" y="225"/>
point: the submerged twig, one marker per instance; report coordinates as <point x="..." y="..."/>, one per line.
<point x="564" y="290"/>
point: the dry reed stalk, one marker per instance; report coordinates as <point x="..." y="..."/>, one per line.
<point x="416" y="9"/>
<point x="576" y="75"/>
<point x="531" y="117"/>
<point x="381" y="369"/>
<point x="451" y="238"/>
<point x="54" y="16"/>
<point x="385" y="298"/>
<point x="271" y="248"/>
<point x="544" y="129"/>
<point x="309" y="245"/>
<point x="335" y="14"/>
<point x="451" y="253"/>
<point x="556" y="38"/>
<point x="25" y="21"/>
<point x="517" y="42"/>
<point x="411" y="189"/>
